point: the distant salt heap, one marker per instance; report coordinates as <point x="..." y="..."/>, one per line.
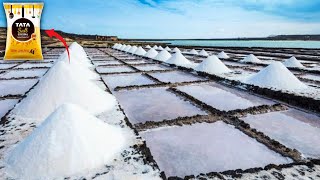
<point x="213" y="65"/>
<point x="115" y="45"/>
<point x="203" y="53"/>
<point x="251" y="59"/>
<point x="276" y="75"/>
<point x="62" y="85"/>
<point x="140" y="51"/>
<point x="148" y="47"/>
<point x="160" y="48"/>
<point x="152" y="53"/>
<point x="127" y="49"/>
<point x="167" y="48"/>
<point x="223" y="55"/>
<point x="123" y="47"/>
<point x="194" y="52"/>
<point x="68" y="142"/>
<point x="176" y="50"/>
<point x="119" y="46"/>
<point x="164" y="55"/>
<point x="179" y="60"/>
<point x="155" y="47"/>
<point x="133" y="49"/>
<point x="293" y="62"/>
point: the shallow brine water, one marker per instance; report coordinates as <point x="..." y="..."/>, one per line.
<point x="126" y="80"/>
<point x="114" y="69"/>
<point x="23" y="73"/>
<point x="16" y="87"/>
<point x="176" y="77"/>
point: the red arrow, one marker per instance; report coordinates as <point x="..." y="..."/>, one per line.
<point x="52" y="33"/>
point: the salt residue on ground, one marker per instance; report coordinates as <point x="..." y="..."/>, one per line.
<point x="293" y="62"/>
<point x="212" y="65"/>
<point x="276" y="75"/>
<point x="69" y="141"/>
<point x="164" y="55"/>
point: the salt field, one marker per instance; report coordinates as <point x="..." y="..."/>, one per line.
<point x="136" y="112"/>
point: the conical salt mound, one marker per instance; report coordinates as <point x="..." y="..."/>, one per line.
<point x="164" y="55"/>
<point x="69" y="141"/>
<point x="62" y="85"/>
<point x="140" y="51"/>
<point x="194" y="52"/>
<point x="223" y="55"/>
<point x="148" y="47"/>
<point x="251" y="59"/>
<point x="155" y="47"/>
<point x="115" y="45"/>
<point x="133" y="49"/>
<point x="77" y="50"/>
<point x="203" y="53"/>
<point x="160" y="48"/>
<point x="119" y="46"/>
<point x="123" y="47"/>
<point x="213" y="65"/>
<point x="127" y="48"/>
<point x="176" y="50"/>
<point x="293" y="62"/>
<point x="276" y="75"/>
<point x="75" y="58"/>
<point x="167" y="48"/>
<point x="179" y="60"/>
<point x="151" y="53"/>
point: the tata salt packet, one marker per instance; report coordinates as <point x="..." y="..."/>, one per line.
<point x="23" y="31"/>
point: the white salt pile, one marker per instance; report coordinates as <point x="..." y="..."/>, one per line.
<point x="213" y="65"/>
<point x="148" y="47"/>
<point x="176" y="50"/>
<point x="123" y="47"/>
<point x="155" y="47"/>
<point x="167" y="48"/>
<point x="179" y="60"/>
<point x="223" y="55"/>
<point x="115" y="45"/>
<point x="119" y="46"/>
<point x="140" y="51"/>
<point x="251" y="59"/>
<point x="68" y="142"/>
<point x="203" y="53"/>
<point x="164" y="55"/>
<point x="62" y="85"/>
<point x="152" y="53"/>
<point x="160" y="48"/>
<point x="77" y="57"/>
<point x="78" y="49"/>
<point x="293" y="62"/>
<point x="194" y="52"/>
<point x="276" y="75"/>
<point x="133" y="49"/>
<point x="127" y="48"/>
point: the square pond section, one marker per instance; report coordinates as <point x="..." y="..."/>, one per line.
<point x="117" y="69"/>
<point x="23" y="73"/>
<point x="154" y="104"/>
<point x="16" y="87"/>
<point x="6" y="105"/>
<point x="114" y="81"/>
<point x="152" y="67"/>
<point x="204" y="148"/>
<point x="223" y="98"/>
<point x="176" y="77"/>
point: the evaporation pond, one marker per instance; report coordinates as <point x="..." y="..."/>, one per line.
<point x="117" y="69"/>
<point x="204" y="148"/>
<point x="154" y="104"/>
<point x="23" y="73"/>
<point x="152" y="67"/>
<point x="16" y="87"/>
<point x="126" y="80"/>
<point x="6" y="105"/>
<point x="176" y="77"/>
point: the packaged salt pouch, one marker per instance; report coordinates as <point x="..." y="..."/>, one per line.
<point x="23" y="31"/>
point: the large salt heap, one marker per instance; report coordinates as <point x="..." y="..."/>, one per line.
<point x="223" y="55"/>
<point x="213" y="65"/>
<point x="203" y="53"/>
<point x="140" y="51"/>
<point x="251" y="59"/>
<point x="62" y="85"/>
<point x="68" y="142"/>
<point x="133" y="49"/>
<point x="152" y="53"/>
<point x="293" y="62"/>
<point x="276" y="75"/>
<point x="179" y="60"/>
<point x="164" y="55"/>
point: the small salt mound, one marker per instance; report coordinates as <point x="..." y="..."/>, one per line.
<point x="119" y="46"/>
<point x="203" y="53"/>
<point x="293" y="62"/>
<point x="251" y="59"/>
<point x="223" y="55"/>
<point x="151" y="53"/>
<point x="140" y="51"/>
<point x="179" y="60"/>
<point x="213" y="65"/>
<point x="127" y="49"/>
<point x="61" y="85"/>
<point x="69" y="141"/>
<point x="160" y="48"/>
<point x="148" y="47"/>
<point x="193" y="52"/>
<point x="155" y="47"/>
<point x="115" y="45"/>
<point x="176" y="50"/>
<point x="167" y="48"/>
<point x="276" y="75"/>
<point x="164" y="55"/>
<point x="133" y="49"/>
<point x="123" y="47"/>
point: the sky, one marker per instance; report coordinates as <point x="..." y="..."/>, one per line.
<point x="160" y="19"/>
